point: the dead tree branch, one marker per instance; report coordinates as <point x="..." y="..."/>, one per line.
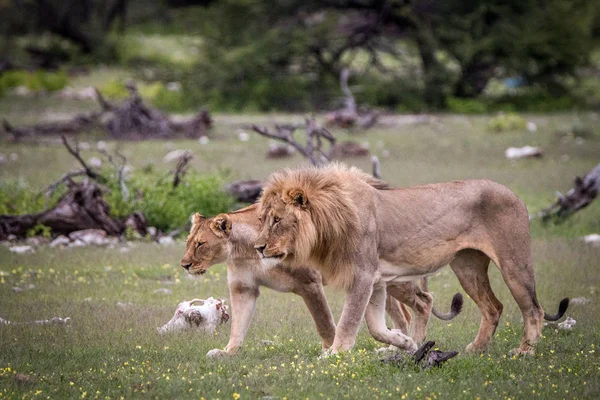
<point x="182" y="167"/>
<point x="584" y="191"/>
<point x="350" y="115"/>
<point x="75" y="152"/>
<point x="313" y="149"/>
<point x="119" y="170"/>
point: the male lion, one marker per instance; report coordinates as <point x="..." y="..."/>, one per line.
<point x="230" y="237"/>
<point x="361" y="235"/>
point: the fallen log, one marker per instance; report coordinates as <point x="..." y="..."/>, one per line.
<point x="584" y="191"/>
<point x="82" y="207"/>
<point x="131" y="120"/>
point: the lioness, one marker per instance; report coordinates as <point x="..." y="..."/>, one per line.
<point x="345" y="223"/>
<point x="230" y="237"/>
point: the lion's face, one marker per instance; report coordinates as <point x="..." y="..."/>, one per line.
<point x="206" y="244"/>
<point x="280" y="232"/>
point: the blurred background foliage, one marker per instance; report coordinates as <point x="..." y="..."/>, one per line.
<point x="465" y="56"/>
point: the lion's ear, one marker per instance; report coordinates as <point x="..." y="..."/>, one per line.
<point x="197" y="218"/>
<point x="221" y="225"/>
<point x="298" y="198"/>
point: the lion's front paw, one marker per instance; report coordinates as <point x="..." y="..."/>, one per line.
<point x="217" y="353"/>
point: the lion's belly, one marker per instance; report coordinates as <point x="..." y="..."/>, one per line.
<point x="405" y="272"/>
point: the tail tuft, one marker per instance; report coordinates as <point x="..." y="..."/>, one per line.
<point x="455" y="308"/>
<point x="562" y="309"/>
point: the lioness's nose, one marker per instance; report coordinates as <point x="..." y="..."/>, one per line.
<point x="186" y="266"/>
<point x="260" y="248"/>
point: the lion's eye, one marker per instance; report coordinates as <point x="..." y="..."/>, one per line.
<point x="199" y="244"/>
<point x="276" y="220"/>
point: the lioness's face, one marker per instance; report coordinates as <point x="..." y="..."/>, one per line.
<point x="206" y="244"/>
<point x="277" y="240"/>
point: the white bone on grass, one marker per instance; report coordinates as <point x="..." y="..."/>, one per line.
<point x="206" y="316"/>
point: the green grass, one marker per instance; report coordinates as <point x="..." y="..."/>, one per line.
<point x="112" y="352"/>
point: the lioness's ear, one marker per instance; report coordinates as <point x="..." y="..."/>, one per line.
<point x="221" y="225"/>
<point x="197" y="218"/>
<point x="298" y="197"/>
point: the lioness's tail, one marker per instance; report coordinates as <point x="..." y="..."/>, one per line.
<point x="562" y="309"/>
<point x="455" y="308"/>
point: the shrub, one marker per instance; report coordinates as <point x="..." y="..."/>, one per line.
<point x="466" y="106"/>
<point x="507" y="122"/>
<point x="16" y="197"/>
<point x="114" y="90"/>
<point x="169" y="208"/>
<point x="34" y="81"/>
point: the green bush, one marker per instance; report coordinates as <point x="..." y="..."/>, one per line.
<point x="169" y="208"/>
<point x="114" y="90"/>
<point x="34" y="81"/>
<point x="16" y="197"/>
<point x="507" y="122"/>
<point x="466" y="106"/>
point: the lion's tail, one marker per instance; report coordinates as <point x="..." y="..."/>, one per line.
<point x="562" y="309"/>
<point x="455" y="308"/>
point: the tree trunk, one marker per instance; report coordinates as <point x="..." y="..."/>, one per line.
<point x="434" y="72"/>
<point x="474" y="78"/>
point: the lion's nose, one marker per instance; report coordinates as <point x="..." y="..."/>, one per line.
<point x="186" y="266"/>
<point x="260" y="248"/>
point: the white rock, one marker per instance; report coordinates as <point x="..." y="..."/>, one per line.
<point x="175" y="155"/>
<point x="579" y="140"/>
<point x="593" y="239"/>
<point x="90" y="236"/>
<point x="77" y="243"/>
<point x="174" y="86"/>
<point x="101" y="145"/>
<point x="17" y="289"/>
<point x="166" y="240"/>
<point x="162" y="291"/>
<point x="12" y="237"/>
<point x="531" y="126"/>
<point x="95" y="162"/>
<point x="36" y="241"/>
<point x="2" y="158"/>
<point x="124" y="249"/>
<point x="152" y="231"/>
<point x="21" y="91"/>
<point x="121" y="304"/>
<point x="14" y="156"/>
<point x="523" y="152"/>
<point x="60" y="241"/>
<point x="243" y="136"/>
<point x="203" y="140"/>
<point x="21" y="249"/>
<point x="87" y="299"/>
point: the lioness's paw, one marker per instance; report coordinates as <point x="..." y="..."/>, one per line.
<point x="473" y="349"/>
<point x="217" y="353"/>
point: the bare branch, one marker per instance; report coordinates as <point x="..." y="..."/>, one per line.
<point x="75" y="153"/>
<point x="181" y="169"/>
<point x="119" y="170"/>
<point x="376" y="167"/>
<point x="50" y="189"/>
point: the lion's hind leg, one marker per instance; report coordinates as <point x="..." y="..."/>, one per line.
<point x="519" y="277"/>
<point x="471" y="269"/>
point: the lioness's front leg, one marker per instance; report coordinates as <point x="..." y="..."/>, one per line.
<point x="375" y="317"/>
<point x="355" y="304"/>
<point x="243" y="303"/>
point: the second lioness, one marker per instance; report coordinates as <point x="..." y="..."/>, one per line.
<point x="230" y="237"/>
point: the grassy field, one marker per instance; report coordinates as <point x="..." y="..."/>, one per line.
<point x="113" y="352"/>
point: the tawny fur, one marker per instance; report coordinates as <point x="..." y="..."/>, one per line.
<point x="234" y="245"/>
<point x="361" y="235"/>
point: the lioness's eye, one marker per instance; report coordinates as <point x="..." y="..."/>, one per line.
<point x="199" y="244"/>
<point x="276" y="220"/>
